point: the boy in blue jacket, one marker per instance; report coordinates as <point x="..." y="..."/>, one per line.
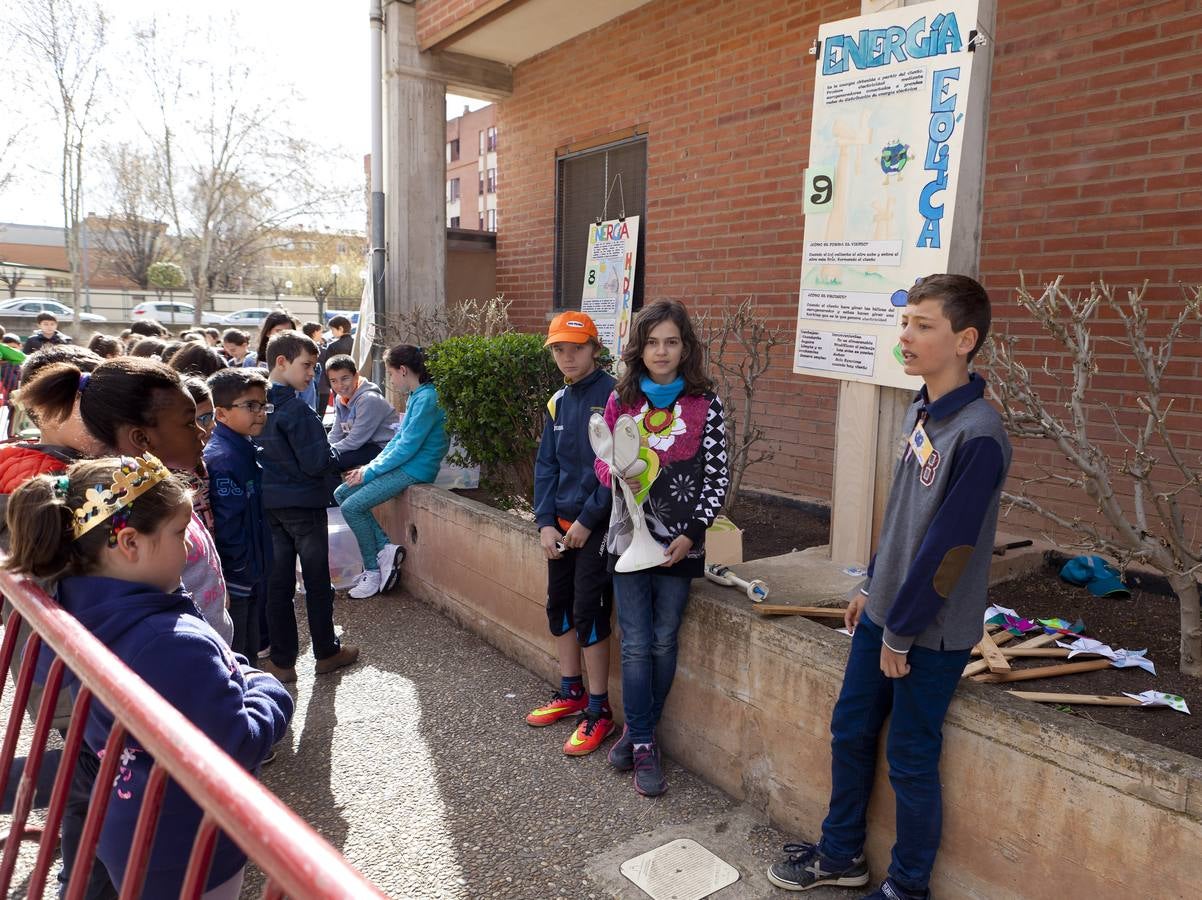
<point x="297" y="465"/>
<point x="917" y="616"/>
<point x="240" y="528"/>
<point x="571" y="511"/>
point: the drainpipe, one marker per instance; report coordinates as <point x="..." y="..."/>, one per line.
<point x="377" y="177"/>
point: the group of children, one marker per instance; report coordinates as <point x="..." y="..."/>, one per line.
<point x="167" y="512"/>
<point x="118" y="535"/>
<point x="914" y="620"/>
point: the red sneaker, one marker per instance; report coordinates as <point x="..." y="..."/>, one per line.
<point x="591" y="732"/>
<point x="557" y="708"/>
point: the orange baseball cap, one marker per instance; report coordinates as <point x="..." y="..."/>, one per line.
<point x="571" y="327"/>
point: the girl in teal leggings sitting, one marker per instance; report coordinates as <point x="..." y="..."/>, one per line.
<point x="411" y="457"/>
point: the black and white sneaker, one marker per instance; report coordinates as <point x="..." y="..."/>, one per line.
<point x="807" y="868"/>
<point x="390" y="559"/>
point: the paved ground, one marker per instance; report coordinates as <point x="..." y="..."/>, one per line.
<point x="417" y="764"/>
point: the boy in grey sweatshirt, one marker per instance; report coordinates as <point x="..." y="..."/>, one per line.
<point x="920" y="611"/>
<point x="364" y="421"/>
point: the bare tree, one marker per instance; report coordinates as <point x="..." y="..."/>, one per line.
<point x="11" y="278"/>
<point x="739" y="344"/>
<point x="133" y="236"/>
<point x="241" y="173"/>
<point x="1148" y="525"/>
<point x="7" y="175"/>
<point x="240" y="238"/>
<point x="319" y="285"/>
<point x="279" y="284"/>
<point x="65" y="40"/>
<point x="428" y="325"/>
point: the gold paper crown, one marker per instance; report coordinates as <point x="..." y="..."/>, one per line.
<point x="134" y="478"/>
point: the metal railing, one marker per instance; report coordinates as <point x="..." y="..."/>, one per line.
<point x="295" y="860"/>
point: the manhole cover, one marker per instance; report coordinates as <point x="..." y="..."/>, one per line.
<point x="681" y="870"/>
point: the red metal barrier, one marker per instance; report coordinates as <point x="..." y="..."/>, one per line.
<point x="296" y="861"/>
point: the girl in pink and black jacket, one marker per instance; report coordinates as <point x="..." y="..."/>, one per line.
<point x="666" y="391"/>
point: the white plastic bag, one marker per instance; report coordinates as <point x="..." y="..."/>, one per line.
<point x="345" y="561"/>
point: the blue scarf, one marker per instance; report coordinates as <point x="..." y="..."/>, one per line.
<point x="662" y="396"/>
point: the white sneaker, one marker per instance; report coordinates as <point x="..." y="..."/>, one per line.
<point x="390" y="559"/>
<point x="366" y="585"/>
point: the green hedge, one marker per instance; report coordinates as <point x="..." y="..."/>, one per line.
<point x="495" y="392"/>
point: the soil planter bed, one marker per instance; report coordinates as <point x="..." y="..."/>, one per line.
<point x="1036" y="805"/>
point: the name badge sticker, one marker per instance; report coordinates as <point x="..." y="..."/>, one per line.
<point x="921" y="445"/>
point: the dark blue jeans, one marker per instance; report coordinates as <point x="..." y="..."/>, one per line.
<point x="650" y="606"/>
<point x="360" y="456"/>
<point x="300" y="532"/>
<point x="245" y="613"/>
<point x="79" y="798"/>
<point x="919" y="702"/>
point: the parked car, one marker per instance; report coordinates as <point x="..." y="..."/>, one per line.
<point x="29" y="307"/>
<point x="173" y="312"/>
<point x="248" y="318"/>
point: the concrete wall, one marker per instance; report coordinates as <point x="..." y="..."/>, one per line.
<point x="1036" y="804"/>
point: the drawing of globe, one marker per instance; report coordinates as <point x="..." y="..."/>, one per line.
<point x="894" y="157"/>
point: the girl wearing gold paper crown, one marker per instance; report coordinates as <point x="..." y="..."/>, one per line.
<point x="665" y="394"/>
<point x="134" y="406"/>
<point x="112" y="533"/>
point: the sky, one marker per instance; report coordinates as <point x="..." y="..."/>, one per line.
<point x="320" y="48"/>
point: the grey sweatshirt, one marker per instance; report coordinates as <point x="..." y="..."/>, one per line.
<point x="368" y="419"/>
<point x="928" y="582"/>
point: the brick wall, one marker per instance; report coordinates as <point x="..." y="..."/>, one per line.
<point x="1094" y="167"/>
<point x="724" y="90"/>
<point x="435" y="16"/>
<point x="1094" y="170"/>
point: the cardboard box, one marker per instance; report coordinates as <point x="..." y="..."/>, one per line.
<point x="723" y="543"/>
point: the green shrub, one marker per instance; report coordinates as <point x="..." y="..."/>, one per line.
<point x="495" y="391"/>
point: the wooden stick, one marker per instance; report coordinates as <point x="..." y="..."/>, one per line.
<point x="1040" y="640"/>
<point x="993" y="656"/>
<point x="1038" y="652"/>
<point x="1084" y="699"/>
<point x="782" y="609"/>
<point x="1004" y="638"/>
<point x="1041" y="652"/>
<point x="1092" y="665"/>
<point x="998" y="639"/>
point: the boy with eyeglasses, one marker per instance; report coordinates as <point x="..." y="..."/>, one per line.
<point x="240" y="527"/>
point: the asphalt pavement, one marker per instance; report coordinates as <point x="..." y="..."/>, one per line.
<point x="417" y="764"/>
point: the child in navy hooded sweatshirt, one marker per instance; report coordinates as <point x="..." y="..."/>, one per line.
<point x="118" y="561"/>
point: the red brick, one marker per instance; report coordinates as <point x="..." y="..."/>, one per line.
<point x="1091" y="168"/>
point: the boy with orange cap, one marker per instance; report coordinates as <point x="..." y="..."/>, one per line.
<point x="571" y="511"/>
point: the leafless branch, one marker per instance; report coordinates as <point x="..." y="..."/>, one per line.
<point x="1152" y="529"/>
<point x="739" y="345"/>
<point x="65" y="41"/>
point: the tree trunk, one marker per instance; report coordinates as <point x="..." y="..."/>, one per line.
<point x="1186" y="589"/>
<point x="200" y="287"/>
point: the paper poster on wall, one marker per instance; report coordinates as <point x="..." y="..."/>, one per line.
<point x="890" y="104"/>
<point x="609" y="269"/>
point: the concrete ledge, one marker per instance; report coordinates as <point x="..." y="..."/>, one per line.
<point x="1036" y="804"/>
